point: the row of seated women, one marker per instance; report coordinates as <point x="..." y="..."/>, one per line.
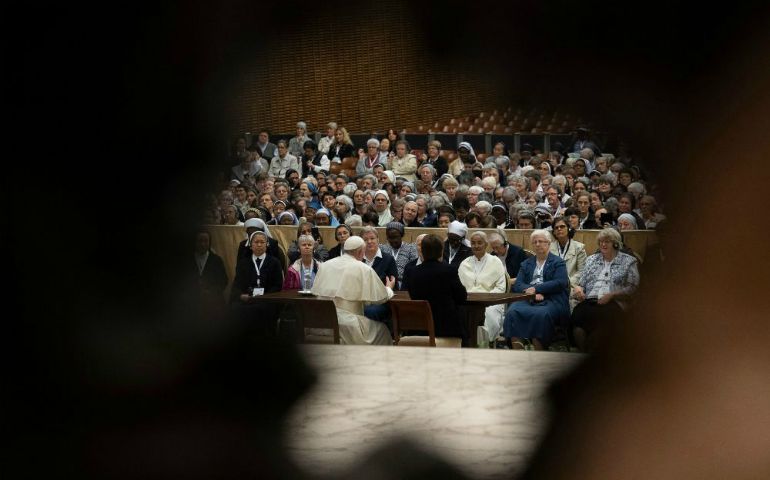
<point x="601" y="293"/>
<point x="599" y="286"/>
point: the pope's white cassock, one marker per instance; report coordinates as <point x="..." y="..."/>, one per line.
<point x="351" y="284"/>
<point x="486" y="276"/>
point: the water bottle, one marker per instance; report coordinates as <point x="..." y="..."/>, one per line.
<point x="307" y="280"/>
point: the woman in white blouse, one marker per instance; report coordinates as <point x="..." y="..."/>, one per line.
<point x="571" y="251"/>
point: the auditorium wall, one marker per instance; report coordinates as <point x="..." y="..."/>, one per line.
<point x="366" y="76"/>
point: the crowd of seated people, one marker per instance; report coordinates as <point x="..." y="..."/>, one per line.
<point x="552" y="193"/>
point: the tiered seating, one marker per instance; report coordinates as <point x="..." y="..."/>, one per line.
<point x="506" y="122"/>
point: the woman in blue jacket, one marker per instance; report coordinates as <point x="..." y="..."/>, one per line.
<point x="545" y="275"/>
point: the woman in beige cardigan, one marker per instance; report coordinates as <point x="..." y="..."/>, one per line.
<point x="403" y="163"/>
<point x="571" y="251"/>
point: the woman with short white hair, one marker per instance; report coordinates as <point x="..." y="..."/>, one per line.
<point x="305" y="266"/>
<point x="370" y="158"/>
<point x="609" y="279"/>
<point x="545" y="277"/>
<point x="296" y="144"/>
<point x="484" y="273"/>
<point x="343" y="205"/>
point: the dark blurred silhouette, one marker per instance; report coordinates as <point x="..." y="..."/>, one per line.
<point x="117" y="117"/>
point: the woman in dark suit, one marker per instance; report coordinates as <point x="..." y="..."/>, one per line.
<point x="342" y="147"/>
<point x="545" y="275"/>
<point x="438" y="283"/>
<point x="256" y="275"/>
<point x="341" y="233"/>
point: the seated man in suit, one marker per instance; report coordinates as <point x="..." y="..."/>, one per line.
<point x="384" y="265"/>
<point x="438" y="283"/>
<point x="211" y="275"/>
<point x="455" y="248"/>
<point x="511" y="255"/>
<point x="267" y="150"/>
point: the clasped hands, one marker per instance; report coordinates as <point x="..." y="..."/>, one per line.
<point x="538" y="296"/>
<point x="580" y="295"/>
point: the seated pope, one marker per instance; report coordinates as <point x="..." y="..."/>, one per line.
<point x="352" y="284"/>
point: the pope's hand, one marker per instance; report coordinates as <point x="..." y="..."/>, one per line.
<point x="390" y="282"/>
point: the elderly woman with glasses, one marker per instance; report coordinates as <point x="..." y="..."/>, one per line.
<point x="545" y="276"/>
<point x="296" y="144"/>
<point x="609" y="280"/>
<point x="370" y="158"/>
<point x="283" y="161"/>
<point x="485" y="273"/>
<point x="343" y="206"/>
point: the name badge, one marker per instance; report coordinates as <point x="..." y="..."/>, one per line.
<point x="257" y="291"/>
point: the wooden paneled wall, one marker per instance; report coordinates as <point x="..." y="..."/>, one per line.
<point x="367" y="77"/>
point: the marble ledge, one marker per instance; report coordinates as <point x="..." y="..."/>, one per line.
<point x="481" y="410"/>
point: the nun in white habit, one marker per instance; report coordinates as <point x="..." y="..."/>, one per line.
<point x="352" y="284"/>
<point x="485" y="273"/>
<point x="382" y="207"/>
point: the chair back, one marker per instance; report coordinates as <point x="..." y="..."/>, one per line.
<point x="413" y="315"/>
<point x="317" y="314"/>
<point x="347" y="166"/>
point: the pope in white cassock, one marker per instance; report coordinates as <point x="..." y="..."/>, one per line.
<point x="485" y="273"/>
<point x="352" y="284"/>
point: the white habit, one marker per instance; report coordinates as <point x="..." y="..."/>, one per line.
<point x="351" y="284"/>
<point x="486" y="276"/>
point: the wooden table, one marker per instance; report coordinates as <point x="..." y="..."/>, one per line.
<point x="474" y="305"/>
